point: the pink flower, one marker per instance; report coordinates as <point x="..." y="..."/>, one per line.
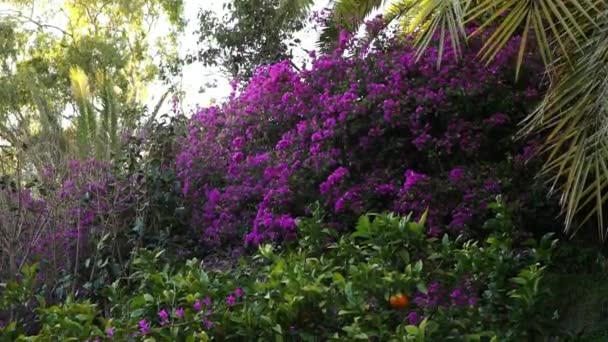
<point x="144" y="327"/>
<point x="230" y="300"/>
<point x="164" y="316"/>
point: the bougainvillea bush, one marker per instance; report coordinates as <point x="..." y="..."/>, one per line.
<point x="375" y="130"/>
<point x="72" y="223"/>
<point x="67" y="223"/>
<point x="78" y="222"/>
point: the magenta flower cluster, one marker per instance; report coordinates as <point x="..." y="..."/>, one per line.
<point x="437" y="295"/>
<point x="69" y="209"/>
<point x="372" y="131"/>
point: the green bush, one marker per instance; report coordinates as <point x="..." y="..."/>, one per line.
<point x="330" y="288"/>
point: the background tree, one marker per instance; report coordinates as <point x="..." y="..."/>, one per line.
<point x="250" y="33"/>
<point x="93" y="68"/>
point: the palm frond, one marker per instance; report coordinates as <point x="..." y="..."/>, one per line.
<point x="559" y="26"/>
<point x="432" y="18"/>
<point x="400" y="10"/>
<point x="81" y="93"/>
<point x="296" y="9"/>
<point x="347" y="15"/>
<point x="574" y="119"/>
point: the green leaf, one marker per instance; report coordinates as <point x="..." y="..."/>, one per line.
<point x="362" y="227"/>
<point x="348" y="290"/>
<point x="412" y="330"/>
<point x="138" y="301"/>
<point x="418" y="266"/>
<point x="338" y="278"/>
<point x="421" y="286"/>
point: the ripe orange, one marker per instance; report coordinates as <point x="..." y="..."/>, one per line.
<point x="399" y="301"/>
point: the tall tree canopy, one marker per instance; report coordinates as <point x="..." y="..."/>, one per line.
<point x="250" y="33"/>
<point x="81" y="65"/>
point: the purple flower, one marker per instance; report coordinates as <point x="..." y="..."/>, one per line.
<point x="336" y="177"/>
<point x="373" y="303"/>
<point x="456" y="174"/>
<point x="238" y="142"/>
<point x="434" y="231"/>
<point x="207" y="301"/>
<point x="459" y="296"/>
<point x="343" y="39"/>
<point x="109" y="332"/>
<point x="179" y="313"/>
<point x="316" y="137"/>
<point x="339" y="205"/>
<point x="164" y="316"/>
<point x="144" y="327"/>
<point x="460" y="217"/>
<point x="491" y="186"/>
<point x="413" y="318"/>
<point x="237" y="157"/>
<point x="197" y="306"/>
<point x="230" y="300"/>
<point x="529" y="152"/>
<point x="432" y="298"/>
<point x="207" y="323"/>
<point x="412" y="178"/>
<point x="239" y="292"/>
<point x="421" y="140"/>
<point x="375" y="112"/>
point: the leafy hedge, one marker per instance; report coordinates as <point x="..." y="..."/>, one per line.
<point x="329" y="288"/>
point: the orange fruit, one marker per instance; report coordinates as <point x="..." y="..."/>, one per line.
<point x="399" y="301"/>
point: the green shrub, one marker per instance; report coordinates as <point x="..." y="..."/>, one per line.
<point x="331" y="288"/>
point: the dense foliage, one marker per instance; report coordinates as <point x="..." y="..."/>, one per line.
<point x="569" y="36"/>
<point x="374" y="131"/>
<point x="74" y="73"/>
<point x="375" y="194"/>
<point x="251" y="33"/>
<point x="332" y="290"/>
<point x="79" y="224"/>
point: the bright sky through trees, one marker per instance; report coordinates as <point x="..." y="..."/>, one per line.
<point x="195" y="76"/>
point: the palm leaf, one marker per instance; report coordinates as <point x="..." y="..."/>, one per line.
<point x="293" y="9"/>
<point x="574" y="119"/>
<point x="85" y="126"/>
<point x="347" y="15"/>
<point x="445" y="16"/>
<point x="429" y="18"/>
<point x="558" y="25"/>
